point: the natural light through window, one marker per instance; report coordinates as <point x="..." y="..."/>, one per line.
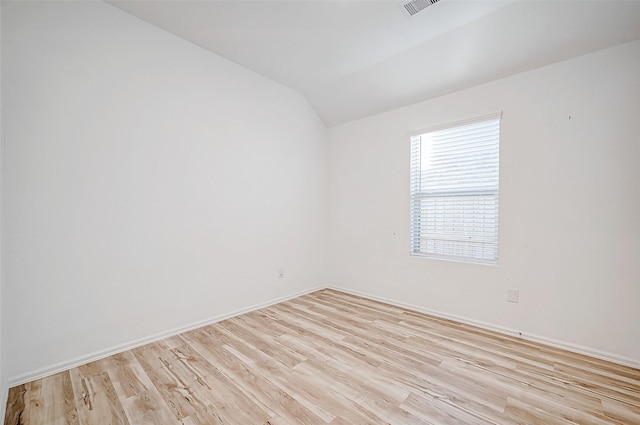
<point x="454" y="191"/>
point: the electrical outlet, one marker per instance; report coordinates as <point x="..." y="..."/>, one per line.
<point x="280" y="273"/>
<point x="513" y="295"/>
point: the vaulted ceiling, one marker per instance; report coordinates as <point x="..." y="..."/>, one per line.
<point x="352" y="59"/>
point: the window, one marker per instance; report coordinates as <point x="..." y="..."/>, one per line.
<point x="454" y="191"/>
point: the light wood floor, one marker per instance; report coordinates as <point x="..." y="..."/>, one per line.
<point x="332" y="358"/>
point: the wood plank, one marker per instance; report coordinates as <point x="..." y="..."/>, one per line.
<point x="16" y="405"/>
<point x="335" y="358"/>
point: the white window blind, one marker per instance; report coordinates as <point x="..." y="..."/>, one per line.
<point x="454" y="191"/>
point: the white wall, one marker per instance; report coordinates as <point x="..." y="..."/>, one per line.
<point x="3" y="382"/>
<point x="147" y="184"/>
<point x="569" y="206"/>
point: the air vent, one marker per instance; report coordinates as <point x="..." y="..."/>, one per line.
<point x="416" y="6"/>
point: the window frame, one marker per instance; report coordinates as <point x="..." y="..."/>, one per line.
<point x="418" y="196"/>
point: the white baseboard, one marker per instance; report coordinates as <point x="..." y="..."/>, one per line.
<point x="101" y="354"/>
<point x="574" y="348"/>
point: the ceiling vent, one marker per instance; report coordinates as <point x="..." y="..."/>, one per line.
<point x="416" y="6"/>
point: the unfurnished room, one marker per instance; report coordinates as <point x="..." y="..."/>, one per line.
<point x="314" y="212"/>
